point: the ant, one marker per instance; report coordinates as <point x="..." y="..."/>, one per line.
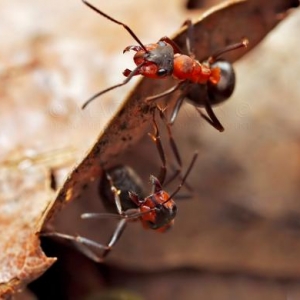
<point x="204" y="84"/>
<point x="123" y="187"/>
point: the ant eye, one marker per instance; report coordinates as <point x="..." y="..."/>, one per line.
<point x="162" y="72"/>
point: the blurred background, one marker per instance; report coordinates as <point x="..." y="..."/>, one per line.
<point x="239" y="237"/>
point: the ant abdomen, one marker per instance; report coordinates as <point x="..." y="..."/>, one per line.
<point x="221" y="91"/>
<point x="214" y="93"/>
<point x="124" y="179"/>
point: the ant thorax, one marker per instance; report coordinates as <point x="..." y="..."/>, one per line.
<point x="188" y="68"/>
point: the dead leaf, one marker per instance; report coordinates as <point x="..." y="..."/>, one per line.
<point x="25" y="195"/>
<point x="43" y="88"/>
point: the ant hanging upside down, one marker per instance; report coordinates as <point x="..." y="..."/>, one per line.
<point x="203" y="84"/>
<point x="122" y="187"/>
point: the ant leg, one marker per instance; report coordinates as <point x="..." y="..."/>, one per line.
<point x="194" y="158"/>
<point x="243" y="44"/>
<point x="115" y="237"/>
<point x="212" y="118"/>
<point x="126" y="216"/>
<point x="190" y="38"/>
<point x="177" y="107"/>
<point x="156" y="184"/>
<point x="157" y="140"/>
<point x="167" y="92"/>
<point x="123" y="215"/>
<point x="82" y="244"/>
<point x="116" y="193"/>
<point x="157" y="187"/>
<point x="171" y="138"/>
<point x="129" y="30"/>
<point x="177" y="173"/>
<point x="175" y="47"/>
<point x="133" y="73"/>
<point x="172" y="178"/>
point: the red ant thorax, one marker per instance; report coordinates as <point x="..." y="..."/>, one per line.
<point x="188" y="68"/>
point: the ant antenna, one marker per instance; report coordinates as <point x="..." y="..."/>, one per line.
<point x="129" y="30"/>
<point x="134" y="72"/>
<point x="130" y="75"/>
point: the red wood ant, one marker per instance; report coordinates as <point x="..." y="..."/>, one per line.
<point x="123" y="187"/>
<point x="204" y="84"/>
<point x="213" y="90"/>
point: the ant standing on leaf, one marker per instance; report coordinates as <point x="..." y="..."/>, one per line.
<point x="121" y="186"/>
<point x="204" y="84"/>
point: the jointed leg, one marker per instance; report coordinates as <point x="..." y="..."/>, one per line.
<point x="194" y="158"/>
<point x="85" y="245"/>
<point x="157" y="140"/>
<point x="190" y="38"/>
<point x="82" y="244"/>
<point x="211" y="118"/>
<point x="167" y="92"/>
<point x="175" y="47"/>
<point x="243" y="44"/>
<point x="171" y="138"/>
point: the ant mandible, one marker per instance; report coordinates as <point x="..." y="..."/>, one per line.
<point x="204" y="84"/>
<point x="121" y="185"/>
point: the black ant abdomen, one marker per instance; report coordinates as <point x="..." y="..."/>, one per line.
<point x="221" y="91"/>
<point x="124" y="179"/>
<point x="214" y="93"/>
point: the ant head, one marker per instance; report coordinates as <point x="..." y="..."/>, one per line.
<point x="164" y="215"/>
<point x="163" y="209"/>
<point x="163" y="212"/>
<point x="158" y="60"/>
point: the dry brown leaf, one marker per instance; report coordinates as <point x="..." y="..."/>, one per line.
<point x="133" y="119"/>
<point x="25" y="195"/>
